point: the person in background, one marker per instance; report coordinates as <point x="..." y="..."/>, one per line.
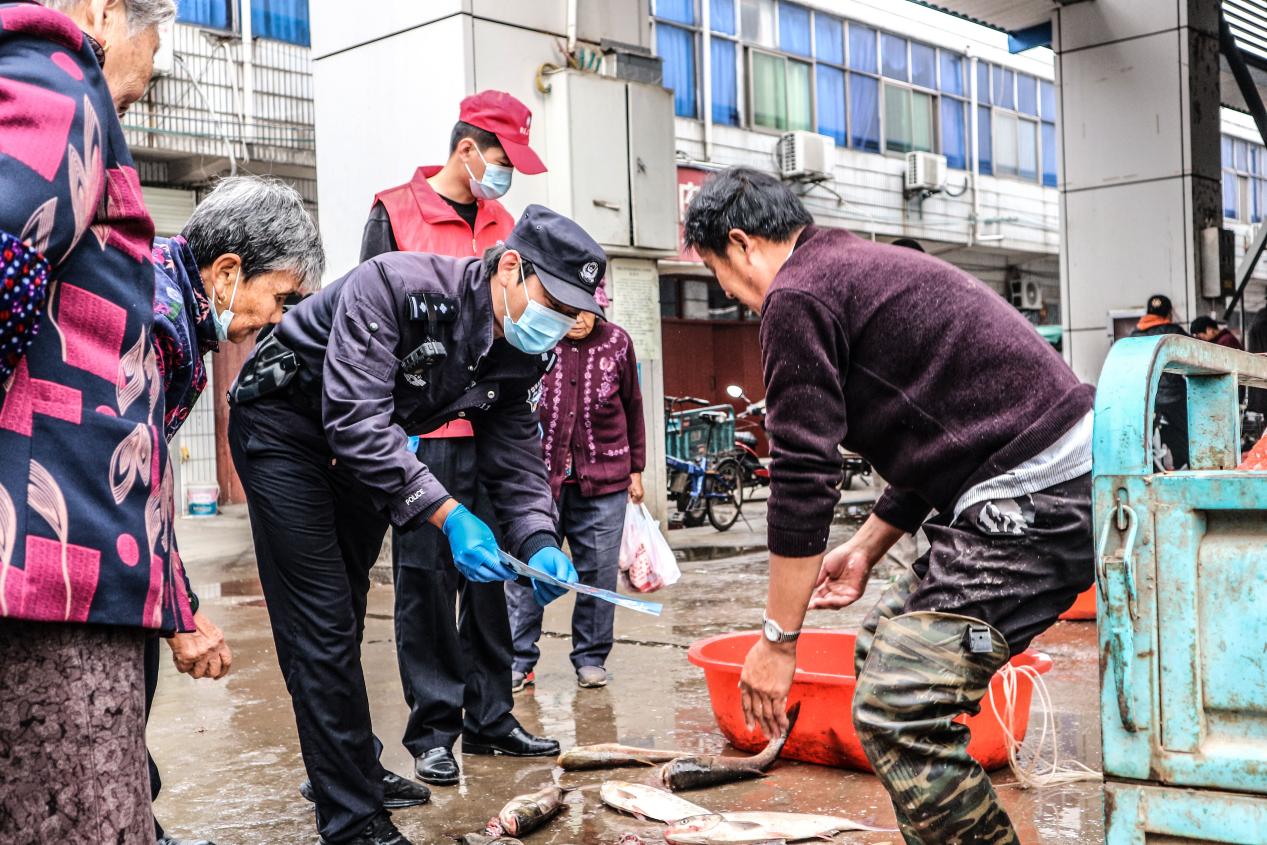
<point x="88" y="566"/>
<point x="1209" y="330"/>
<point x="251" y="244"/>
<point x="967" y="411"/>
<point x="594" y="441"/>
<point x="1172" y="392"/>
<point x="449" y="665"/>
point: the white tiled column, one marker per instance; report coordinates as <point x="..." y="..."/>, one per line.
<point x="1139" y="101"/>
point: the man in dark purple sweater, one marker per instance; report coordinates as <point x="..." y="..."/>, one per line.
<point x="966" y="411"/>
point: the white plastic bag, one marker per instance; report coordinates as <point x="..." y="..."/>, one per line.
<point x="646" y="561"/>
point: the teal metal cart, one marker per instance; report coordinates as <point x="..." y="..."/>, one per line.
<point x="1182" y="576"/>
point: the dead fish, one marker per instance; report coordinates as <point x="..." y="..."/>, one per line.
<point x="612" y="756"/>
<point x="647" y="802"/>
<point x="480" y="839"/>
<point x="699" y="772"/>
<point x="751" y="828"/>
<point x="525" y="813"/>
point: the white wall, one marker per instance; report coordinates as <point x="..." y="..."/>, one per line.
<point x="382" y="111"/>
<point x="389" y="80"/>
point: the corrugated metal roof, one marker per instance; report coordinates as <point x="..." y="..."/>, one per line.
<point x="1248" y="20"/>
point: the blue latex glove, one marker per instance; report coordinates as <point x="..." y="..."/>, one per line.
<point x="474" y="547"/>
<point x="556" y="563"/>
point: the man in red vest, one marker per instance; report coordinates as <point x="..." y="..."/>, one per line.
<point x="447" y="668"/>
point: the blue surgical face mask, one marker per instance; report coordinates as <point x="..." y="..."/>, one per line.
<point x="225" y="318"/>
<point x="538" y="328"/>
<point x="496" y="181"/>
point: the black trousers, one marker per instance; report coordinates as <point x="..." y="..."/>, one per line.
<point x="448" y="665"/>
<point x="317" y="534"/>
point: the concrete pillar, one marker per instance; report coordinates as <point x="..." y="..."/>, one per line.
<point x="634" y="287"/>
<point x="1139" y="123"/>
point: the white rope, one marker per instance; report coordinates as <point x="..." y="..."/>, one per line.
<point x="1038" y="772"/>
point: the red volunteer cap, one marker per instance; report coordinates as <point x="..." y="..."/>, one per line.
<point x="509" y="120"/>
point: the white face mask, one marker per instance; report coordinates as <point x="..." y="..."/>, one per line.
<point x="225" y="318"/>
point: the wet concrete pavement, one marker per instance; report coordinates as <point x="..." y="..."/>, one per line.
<point x="230" y="757"/>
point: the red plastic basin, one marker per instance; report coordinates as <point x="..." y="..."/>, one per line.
<point x="824" y="685"/>
<point x="1083" y="606"/>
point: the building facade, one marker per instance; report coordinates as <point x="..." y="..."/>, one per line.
<point x="232" y="94"/>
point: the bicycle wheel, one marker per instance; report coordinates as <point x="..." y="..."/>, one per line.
<point x="692" y="510"/>
<point x="725" y="494"/>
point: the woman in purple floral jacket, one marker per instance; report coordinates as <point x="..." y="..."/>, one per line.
<point x="88" y="566"/>
<point x="595" y="450"/>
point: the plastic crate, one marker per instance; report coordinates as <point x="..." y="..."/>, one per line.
<point x="689" y="434"/>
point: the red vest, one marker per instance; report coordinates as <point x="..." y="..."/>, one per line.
<point x="423" y="222"/>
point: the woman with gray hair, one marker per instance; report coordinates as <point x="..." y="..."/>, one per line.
<point x="88" y="566"/>
<point x="248" y="246"/>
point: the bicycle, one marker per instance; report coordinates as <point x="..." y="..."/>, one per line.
<point x="710" y="484"/>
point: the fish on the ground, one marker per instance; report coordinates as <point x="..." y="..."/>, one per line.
<point x="699" y="772"/>
<point x="647" y="802"/>
<point x="749" y="828"/>
<point x="481" y="839"/>
<point x="610" y="755"/>
<point x="525" y="813"/>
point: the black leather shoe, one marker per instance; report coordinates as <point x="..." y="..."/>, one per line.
<point x="398" y="793"/>
<point x="437" y="767"/>
<point x="517" y="743"/>
<point x="171" y="840"/>
<point x="380" y="831"/>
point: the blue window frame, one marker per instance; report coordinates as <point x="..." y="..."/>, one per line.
<point x="983" y="83"/>
<point x="829" y="39"/>
<point x="951" y="73"/>
<point x="923" y="65"/>
<point x="1047" y="99"/>
<point x="1005" y="88"/>
<point x="682" y="11"/>
<point x="1026" y="94"/>
<point x="954" y="139"/>
<point x="216" y="14"/>
<point x="985" y="144"/>
<point x="1049" y="154"/>
<point x="284" y="20"/>
<point x="862" y="49"/>
<point x="831" y="102"/>
<point x="794" y="29"/>
<point x="725" y="83"/>
<point x="722" y="16"/>
<point x="676" y="46"/>
<point x="864" y="113"/>
<point x="893" y="57"/>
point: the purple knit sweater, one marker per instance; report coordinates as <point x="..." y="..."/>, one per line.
<point x="591" y="413"/>
<point x="908" y="361"/>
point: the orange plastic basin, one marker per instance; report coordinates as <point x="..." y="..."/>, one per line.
<point x="1083" y="606"/>
<point x="824" y="685"/>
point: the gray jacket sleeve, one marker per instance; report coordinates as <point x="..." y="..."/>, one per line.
<point x="512" y="467"/>
<point x="357" y="399"/>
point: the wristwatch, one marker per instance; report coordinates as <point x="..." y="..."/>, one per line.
<point x="773" y="633"/>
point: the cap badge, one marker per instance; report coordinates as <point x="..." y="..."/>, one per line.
<point x="589" y="273"/>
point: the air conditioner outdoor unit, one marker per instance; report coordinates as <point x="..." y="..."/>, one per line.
<point x="925" y="172"/>
<point x="1027" y="295"/>
<point x="804" y="155"/>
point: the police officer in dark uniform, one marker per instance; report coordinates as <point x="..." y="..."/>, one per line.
<point x="319" y="430"/>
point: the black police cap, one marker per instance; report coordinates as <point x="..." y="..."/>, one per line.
<point x="569" y="262"/>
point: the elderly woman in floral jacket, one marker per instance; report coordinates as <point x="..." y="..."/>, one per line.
<point x="595" y="450"/>
<point x="88" y="567"/>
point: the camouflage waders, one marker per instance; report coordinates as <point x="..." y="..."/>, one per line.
<point x="921" y="670"/>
